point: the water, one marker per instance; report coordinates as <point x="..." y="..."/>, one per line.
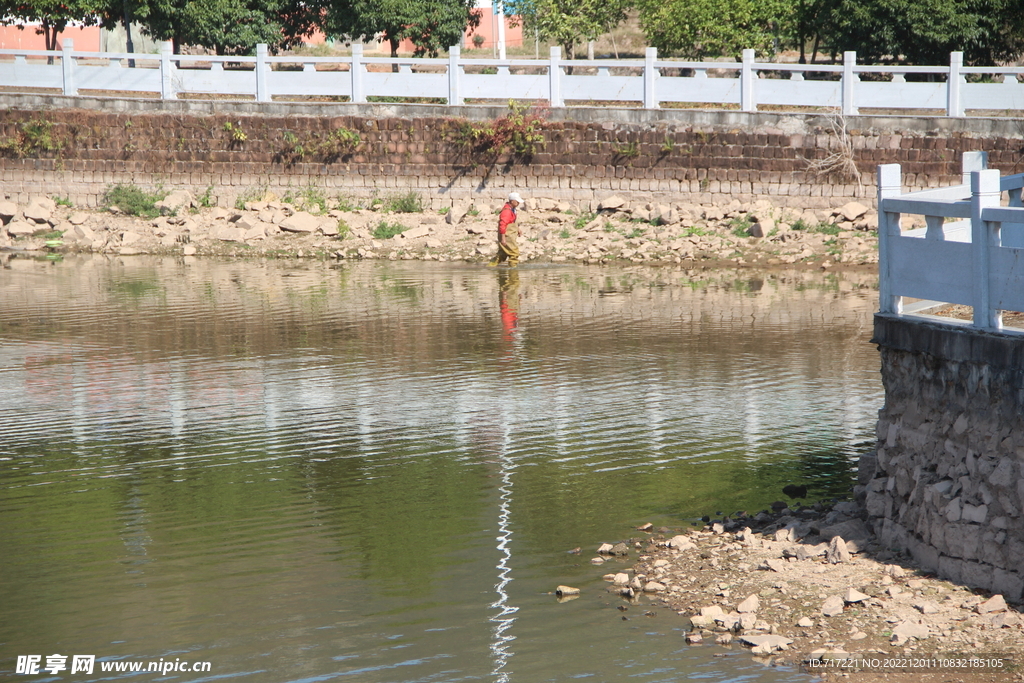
<point x="374" y="471"/>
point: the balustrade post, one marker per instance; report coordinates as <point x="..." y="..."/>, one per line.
<point x="984" y="194"/>
<point x="972" y="161"/>
<point x="67" y="67"/>
<point x="747" y="102"/>
<point x="167" y="71"/>
<point x="356" y="74"/>
<point x="650" y="76"/>
<point x="954" y="105"/>
<point x="848" y="85"/>
<point x="555" y="77"/>
<point x="455" y="76"/>
<point x="262" y="93"/>
<point x="890" y="184"/>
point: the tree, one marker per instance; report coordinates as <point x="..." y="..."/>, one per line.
<point x="569" y="22"/>
<point x="713" y="28"/>
<point x="431" y="25"/>
<point x="224" y="26"/>
<point x="53" y="16"/>
<point x="918" y="31"/>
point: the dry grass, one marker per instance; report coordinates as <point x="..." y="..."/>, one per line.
<point x="840" y="163"/>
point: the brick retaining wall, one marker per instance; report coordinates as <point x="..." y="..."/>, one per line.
<point x="674" y="155"/>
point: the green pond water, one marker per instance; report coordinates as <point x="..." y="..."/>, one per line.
<point x="373" y="471"/>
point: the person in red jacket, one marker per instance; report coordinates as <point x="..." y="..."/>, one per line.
<point x="507" y="232"/>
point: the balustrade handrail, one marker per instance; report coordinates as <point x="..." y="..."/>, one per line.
<point x="978" y="262"/>
<point x="723" y="83"/>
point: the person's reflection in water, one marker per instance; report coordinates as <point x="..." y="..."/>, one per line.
<point x="508" y="304"/>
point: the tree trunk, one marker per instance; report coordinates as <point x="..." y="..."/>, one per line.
<point x="49" y="39"/>
<point x="128" y="44"/>
<point x="394" y="52"/>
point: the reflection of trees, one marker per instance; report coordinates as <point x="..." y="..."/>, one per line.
<point x="405" y="524"/>
<point x="375" y="383"/>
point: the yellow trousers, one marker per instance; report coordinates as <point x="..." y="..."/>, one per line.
<point x="508" y="251"/>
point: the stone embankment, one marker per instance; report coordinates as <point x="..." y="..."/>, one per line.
<point x="759" y="234"/>
<point x="808" y="582"/>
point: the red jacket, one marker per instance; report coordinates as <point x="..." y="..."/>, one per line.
<point x="507" y="217"/>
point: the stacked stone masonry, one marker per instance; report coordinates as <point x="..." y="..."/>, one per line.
<point x="78" y="153"/>
<point x="948" y="481"/>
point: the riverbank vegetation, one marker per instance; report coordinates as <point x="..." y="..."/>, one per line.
<point x="880" y="31"/>
<point x="401" y="226"/>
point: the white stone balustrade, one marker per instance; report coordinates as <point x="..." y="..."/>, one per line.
<point x="648" y="82"/>
<point x="971" y="251"/>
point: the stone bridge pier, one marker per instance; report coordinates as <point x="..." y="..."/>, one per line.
<point x="946" y="482"/>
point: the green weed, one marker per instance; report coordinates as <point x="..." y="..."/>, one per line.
<point x="582" y="220"/>
<point x="206" y="199"/>
<point x="408" y="202"/>
<point x="253" y="194"/>
<point x="385" y="230"/>
<point x="133" y="200"/>
<point x="740" y="226"/>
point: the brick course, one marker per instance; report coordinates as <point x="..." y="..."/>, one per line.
<point x="581" y="161"/>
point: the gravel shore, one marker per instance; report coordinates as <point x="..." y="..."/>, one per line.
<point x="615" y="230"/>
<point x="811" y="582"/>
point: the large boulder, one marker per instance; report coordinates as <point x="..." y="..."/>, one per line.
<point x="175" y="202"/>
<point x="456" y="214"/>
<point x="8" y="210"/>
<point x="613" y="203"/>
<point x="418" y="231"/>
<point x="20" y="228"/>
<point x="38" y="213"/>
<point x="300" y="221"/>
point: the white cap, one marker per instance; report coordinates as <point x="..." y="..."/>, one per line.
<point x="514" y="197"/>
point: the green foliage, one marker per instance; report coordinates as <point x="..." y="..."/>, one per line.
<point x="517" y="135"/>
<point x="227" y="27"/>
<point x="326" y="147"/>
<point x="62" y="201"/>
<point x="627" y="151"/>
<point x="914" y="31"/>
<point x="569" y="22"/>
<point x="582" y="220"/>
<point x="346" y="203"/>
<point x="668" y="145"/>
<point x="635" y="233"/>
<point x="37" y="137"/>
<point x="823" y="228"/>
<point x="740" y="226"/>
<point x="206" y="199"/>
<point x="235" y="129"/>
<point x="697" y="29"/>
<point x="408" y="202"/>
<point x="53" y="16"/>
<point x="385" y="230"/>
<point x="133" y="200"/>
<point x="253" y="194"/>
<point x="695" y="231"/>
<point x="431" y="26"/>
<point x="565" y="234"/>
<point x="343" y="229"/>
